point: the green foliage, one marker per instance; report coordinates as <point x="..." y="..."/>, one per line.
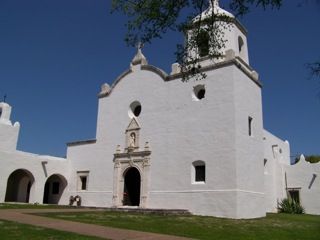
<point x="150" y="19"/>
<point x="275" y="226"/>
<point x="310" y="159"/>
<point x="314" y="69"/>
<point x="289" y="205"/>
<point x="242" y="7"/>
<point x="313" y="158"/>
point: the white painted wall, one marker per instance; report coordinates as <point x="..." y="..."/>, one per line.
<point x="8" y="132"/>
<point x="306" y="177"/>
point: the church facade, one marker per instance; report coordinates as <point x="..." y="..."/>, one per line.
<point x="163" y="143"/>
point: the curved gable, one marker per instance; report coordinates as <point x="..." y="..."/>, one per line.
<point x="162" y="74"/>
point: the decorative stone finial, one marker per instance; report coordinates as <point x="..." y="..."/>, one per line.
<point x="139" y="58"/>
<point x="146" y="146"/>
<point x="118" y="149"/>
<point x="105" y="89"/>
<point x="5" y="113"/>
<point x="214" y="8"/>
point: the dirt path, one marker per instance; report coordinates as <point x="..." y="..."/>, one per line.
<point x="25" y="216"/>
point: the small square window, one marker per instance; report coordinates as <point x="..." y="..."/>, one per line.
<point x="82" y="183"/>
<point x="55" y="187"/>
<point x="294" y="195"/>
<point x="83" y="180"/>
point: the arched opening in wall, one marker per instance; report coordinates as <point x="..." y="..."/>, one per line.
<point x="198" y="172"/>
<point x="203" y="43"/>
<point x="19" y="186"/>
<point x="199" y="92"/>
<point x="54" y="188"/>
<point x="135" y="109"/>
<point x="240" y="45"/>
<point x="132" y="185"/>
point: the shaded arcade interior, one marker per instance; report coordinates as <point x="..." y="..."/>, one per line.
<point x="19" y="186"/>
<point x="54" y="188"/>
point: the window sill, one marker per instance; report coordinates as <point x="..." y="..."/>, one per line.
<point x="198" y="183"/>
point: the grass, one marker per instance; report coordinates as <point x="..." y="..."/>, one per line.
<point x="274" y="226"/>
<point x="12" y="230"/>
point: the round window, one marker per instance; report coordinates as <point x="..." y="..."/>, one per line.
<point x="198" y="92"/>
<point x="135" y="109"/>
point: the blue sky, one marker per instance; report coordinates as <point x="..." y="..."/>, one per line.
<point x="54" y="56"/>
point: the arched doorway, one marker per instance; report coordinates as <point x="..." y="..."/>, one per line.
<point x="53" y="189"/>
<point x="132" y="184"/>
<point x="19" y="186"/>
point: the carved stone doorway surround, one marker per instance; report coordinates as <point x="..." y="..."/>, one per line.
<point x="124" y="161"/>
<point x="131" y="157"/>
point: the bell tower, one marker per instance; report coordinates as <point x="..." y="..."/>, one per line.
<point x="226" y="33"/>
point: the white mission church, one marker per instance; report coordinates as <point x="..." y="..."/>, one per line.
<point x="166" y="144"/>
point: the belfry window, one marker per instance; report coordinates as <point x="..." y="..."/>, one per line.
<point x="240" y="44"/>
<point x="198" y="172"/>
<point x="203" y="43"/>
<point x="250" y="119"/>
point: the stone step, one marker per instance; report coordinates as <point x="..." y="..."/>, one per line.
<point x="150" y="210"/>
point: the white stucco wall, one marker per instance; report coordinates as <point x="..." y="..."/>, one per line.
<point x="34" y="164"/>
<point x="280" y="176"/>
<point x="304" y="176"/>
<point x="276" y="154"/>
<point x="180" y="131"/>
<point x="248" y="145"/>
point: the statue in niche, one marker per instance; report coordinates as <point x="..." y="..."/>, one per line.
<point x="132" y="140"/>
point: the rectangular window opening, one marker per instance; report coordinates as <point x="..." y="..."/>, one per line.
<point x="200" y="173"/>
<point x="82" y="184"/>
<point x="83" y="180"/>
<point x="250" y="119"/>
<point x="294" y="195"/>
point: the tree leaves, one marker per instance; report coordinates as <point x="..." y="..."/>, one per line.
<point x="150" y="19"/>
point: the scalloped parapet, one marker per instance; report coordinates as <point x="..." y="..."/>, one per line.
<point x="5" y="113"/>
<point x="8" y="132"/>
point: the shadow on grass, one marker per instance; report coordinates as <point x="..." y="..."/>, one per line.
<point x="274" y="226"/>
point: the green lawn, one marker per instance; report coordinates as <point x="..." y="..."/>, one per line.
<point x="12" y="230"/>
<point x="274" y="226"/>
